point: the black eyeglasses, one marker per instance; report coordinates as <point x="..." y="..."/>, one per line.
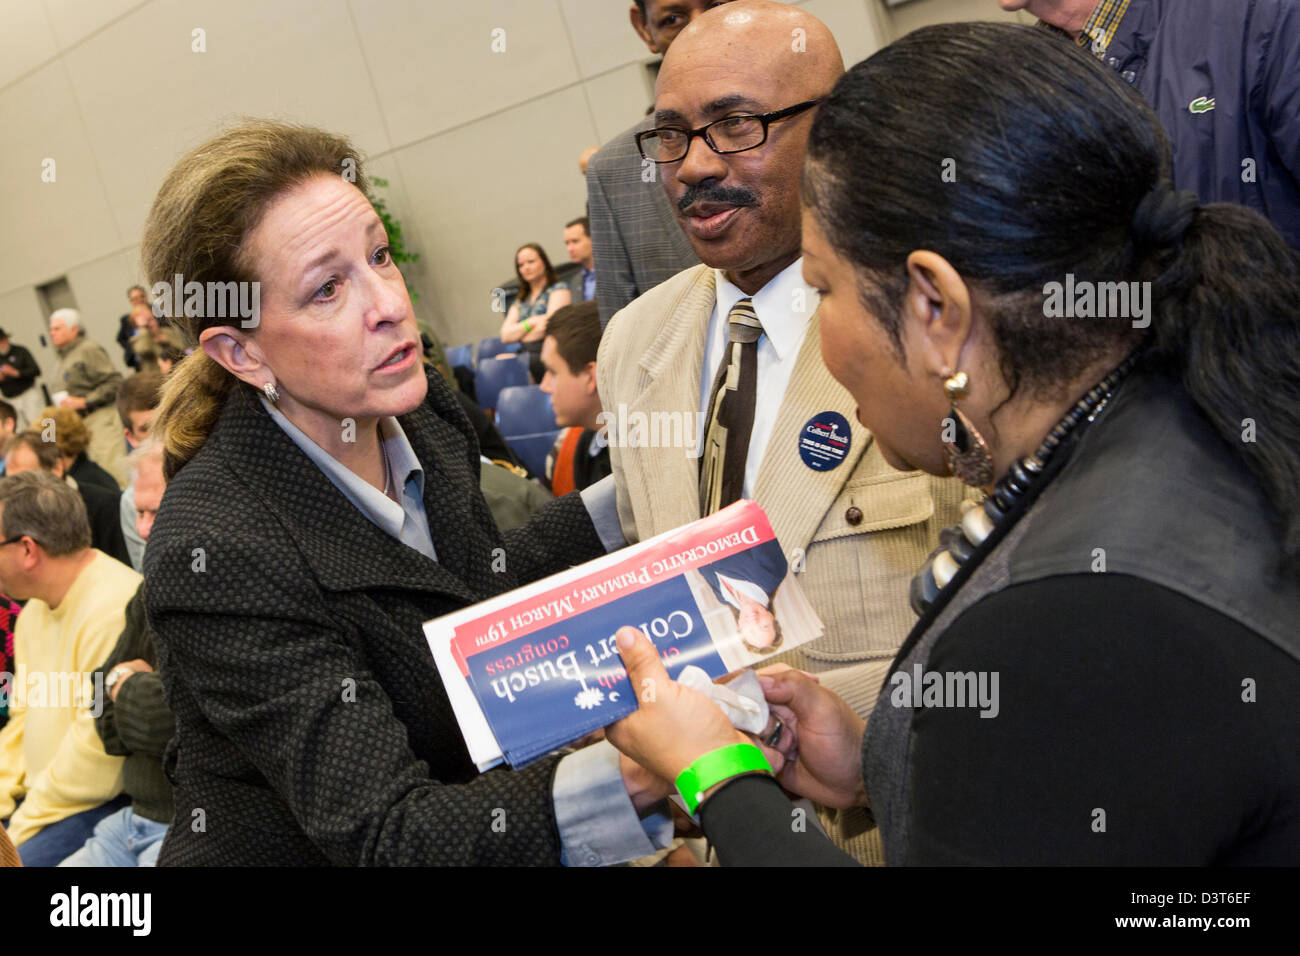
<point x="16" y="540"/>
<point x="731" y="134"/>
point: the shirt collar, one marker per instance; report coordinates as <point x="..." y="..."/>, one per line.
<point x="401" y="456"/>
<point x="368" y="499"/>
<point x="777" y="306"/>
<point x="1100" y="27"/>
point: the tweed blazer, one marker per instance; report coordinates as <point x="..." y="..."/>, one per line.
<point x="635" y="238"/>
<point x="311" y="725"/>
<point x="857" y="576"/>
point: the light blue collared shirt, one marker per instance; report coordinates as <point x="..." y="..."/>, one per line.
<point x="407" y="521"/>
<point x="598" y="824"/>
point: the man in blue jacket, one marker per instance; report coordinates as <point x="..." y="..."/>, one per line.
<point x="1224" y="78"/>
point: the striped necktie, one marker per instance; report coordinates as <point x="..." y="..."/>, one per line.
<point x="731" y="412"/>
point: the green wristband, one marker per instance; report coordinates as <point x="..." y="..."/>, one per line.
<point x="527" y="328"/>
<point x="715" y="767"/>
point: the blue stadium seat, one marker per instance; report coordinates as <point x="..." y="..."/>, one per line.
<point x="495" y="374"/>
<point x="527" y="423"/>
<point x="461" y="355"/>
<point x="490" y="348"/>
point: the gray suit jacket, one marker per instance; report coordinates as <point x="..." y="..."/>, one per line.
<point x="635" y="237"/>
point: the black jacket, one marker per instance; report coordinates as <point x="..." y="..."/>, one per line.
<point x="138" y="724"/>
<point x="125" y="330"/>
<point x="312" y="727"/>
<point x="26" y="367"/>
<point x="104" y="510"/>
<point x="87" y="472"/>
<point x="1128" y="606"/>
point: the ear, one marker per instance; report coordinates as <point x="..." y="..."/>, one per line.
<point x="936" y="313"/>
<point x="590" y="371"/>
<point x="639" y="25"/>
<point x="235" y="351"/>
<point x="31" y="553"/>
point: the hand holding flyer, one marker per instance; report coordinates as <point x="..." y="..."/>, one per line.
<point x="536" y="668"/>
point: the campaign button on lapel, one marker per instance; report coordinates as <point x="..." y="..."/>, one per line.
<point x="824" y="441"/>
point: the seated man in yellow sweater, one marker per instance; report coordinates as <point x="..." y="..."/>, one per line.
<point x="56" y="781"/>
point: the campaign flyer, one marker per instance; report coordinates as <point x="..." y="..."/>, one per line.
<point x="534" y="669"/>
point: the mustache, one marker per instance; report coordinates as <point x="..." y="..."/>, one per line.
<point x="730" y="195"/>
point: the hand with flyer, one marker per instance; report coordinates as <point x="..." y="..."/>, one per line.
<point x="538" y="667"/>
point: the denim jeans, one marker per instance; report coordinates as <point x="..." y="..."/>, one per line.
<point x="55" y="842"/>
<point x="121" y="839"/>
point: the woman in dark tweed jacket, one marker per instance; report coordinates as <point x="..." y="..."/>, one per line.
<point x="322" y="503"/>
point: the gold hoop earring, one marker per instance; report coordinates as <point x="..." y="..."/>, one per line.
<point x="272" y="393"/>
<point x="968" y="454"/>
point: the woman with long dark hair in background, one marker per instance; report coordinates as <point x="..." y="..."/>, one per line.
<point x="541" y="295"/>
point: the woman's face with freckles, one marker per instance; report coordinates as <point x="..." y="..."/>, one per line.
<point x="336" y="332"/>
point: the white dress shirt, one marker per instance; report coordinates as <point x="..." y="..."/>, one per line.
<point x="785" y="306"/>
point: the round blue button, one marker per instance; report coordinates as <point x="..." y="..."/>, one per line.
<point x="825" y="440"/>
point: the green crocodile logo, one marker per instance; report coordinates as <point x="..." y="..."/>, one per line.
<point x="1201" y="105"/>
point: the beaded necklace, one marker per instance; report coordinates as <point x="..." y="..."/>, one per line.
<point x="958" y="543"/>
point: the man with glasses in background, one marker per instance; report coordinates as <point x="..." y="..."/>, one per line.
<point x="732" y="346"/>
<point x="634" y="234"/>
<point x="56" y="780"/>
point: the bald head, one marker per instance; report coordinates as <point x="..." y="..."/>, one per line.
<point x="759" y="42"/>
<point x="740" y="209"/>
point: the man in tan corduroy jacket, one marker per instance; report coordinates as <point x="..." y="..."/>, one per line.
<point x="857" y="531"/>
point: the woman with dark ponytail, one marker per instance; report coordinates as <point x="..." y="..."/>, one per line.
<point x="1107" y="662"/>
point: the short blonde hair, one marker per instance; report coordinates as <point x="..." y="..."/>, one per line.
<point x="70" y="433"/>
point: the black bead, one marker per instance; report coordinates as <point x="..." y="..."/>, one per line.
<point x="957" y="544"/>
<point x="924" y="590"/>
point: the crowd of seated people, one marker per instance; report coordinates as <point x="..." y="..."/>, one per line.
<point x="814" y="264"/>
<point x="71" y="596"/>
